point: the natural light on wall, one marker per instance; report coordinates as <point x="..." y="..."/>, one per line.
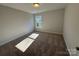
<point x="23" y="45"/>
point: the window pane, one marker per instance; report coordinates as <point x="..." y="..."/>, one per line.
<point x="38" y="22"/>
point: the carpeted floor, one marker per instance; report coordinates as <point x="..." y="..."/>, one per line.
<point x="47" y="44"/>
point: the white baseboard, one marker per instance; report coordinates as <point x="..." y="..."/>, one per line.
<point x="50" y="32"/>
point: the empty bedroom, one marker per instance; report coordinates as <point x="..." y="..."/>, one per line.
<point x="39" y="29"/>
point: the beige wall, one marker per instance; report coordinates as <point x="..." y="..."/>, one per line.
<point x="14" y="23"/>
<point x="71" y="26"/>
<point x="52" y="21"/>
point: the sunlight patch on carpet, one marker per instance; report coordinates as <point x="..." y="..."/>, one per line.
<point x="34" y="35"/>
<point x="23" y="45"/>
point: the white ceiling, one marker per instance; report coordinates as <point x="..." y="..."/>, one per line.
<point x="27" y="7"/>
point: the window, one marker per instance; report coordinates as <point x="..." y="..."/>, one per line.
<point x="38" y="21"/>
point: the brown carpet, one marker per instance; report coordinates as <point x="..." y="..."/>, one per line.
<point x="47" y="44"/>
